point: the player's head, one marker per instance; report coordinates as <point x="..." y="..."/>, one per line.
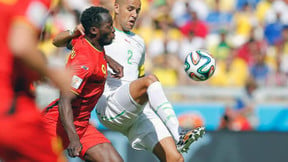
<point x="126" y="13"/>
<point x="98" y="24"/>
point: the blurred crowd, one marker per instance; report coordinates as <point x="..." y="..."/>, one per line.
<point x="248" y="39"/>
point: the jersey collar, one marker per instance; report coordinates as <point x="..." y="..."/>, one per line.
<point x="92" y="45"/>
<point x="127" y="32"/>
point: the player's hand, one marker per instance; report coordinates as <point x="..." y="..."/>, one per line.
<point x="116" y="67"/>
<point x="74" y="148"/>
<point x="78" y="31"/>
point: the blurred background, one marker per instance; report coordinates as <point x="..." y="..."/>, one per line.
<point x="243" y="106"/>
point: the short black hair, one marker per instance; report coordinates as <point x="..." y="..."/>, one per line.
<point x="91" y="17"/>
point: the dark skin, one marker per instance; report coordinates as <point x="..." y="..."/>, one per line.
<point x="65" y="108"/>
<point x="126" y="13"/>
<point x="25" y="49"/>
<point x="98" y="37"/>
<point x="61" y="41"/>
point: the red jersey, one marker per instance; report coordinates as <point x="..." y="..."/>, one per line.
<point x="32" y="12"/>
<point x="89" y="75"/>
<point x="19" y="131"/>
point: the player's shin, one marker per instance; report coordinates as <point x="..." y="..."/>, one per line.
<point x="163" y="108"/>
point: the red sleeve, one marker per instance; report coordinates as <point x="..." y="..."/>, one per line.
<point x="79" y="63"/>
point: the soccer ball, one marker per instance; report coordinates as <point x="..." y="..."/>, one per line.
<point x="199" y="65"/>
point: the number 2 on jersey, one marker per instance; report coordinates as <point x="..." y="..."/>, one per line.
<point x="130" y="54"/>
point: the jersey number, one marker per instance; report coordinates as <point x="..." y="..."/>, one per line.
<point x="130" y="54"/>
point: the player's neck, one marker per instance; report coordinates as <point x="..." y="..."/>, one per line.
<point x="118" y="27"/>
<point x="94" y="43"/>
<point x="121" y="30"/>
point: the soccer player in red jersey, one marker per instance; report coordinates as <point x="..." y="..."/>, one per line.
<point x="68" y="116"/>
<point x="22" y="135"/>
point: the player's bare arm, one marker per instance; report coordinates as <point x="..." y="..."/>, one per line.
<point x="63" y="38"/>
<point x="66" y="116"/>
<point x="25" y="49"/>
<point x="115" y="66"/>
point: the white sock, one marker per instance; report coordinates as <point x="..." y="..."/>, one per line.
<point x="163" y="108"/>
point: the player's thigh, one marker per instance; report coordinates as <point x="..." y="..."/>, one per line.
<point x="96" y="147"/>
<point x="118" y="111"/>
<point x="138" y="88"/>
<point x="123" y="97"/>
<point x="103" y="152"/>
<point x="147" y="131"/>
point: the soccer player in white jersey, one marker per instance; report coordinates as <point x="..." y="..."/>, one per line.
<point x="136" y="105"/>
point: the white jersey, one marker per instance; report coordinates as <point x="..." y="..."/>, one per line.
<point x="127" y="49"/>
<point x="116" y="109"/>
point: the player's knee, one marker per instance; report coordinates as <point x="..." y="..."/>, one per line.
<point x="151" y="78"/>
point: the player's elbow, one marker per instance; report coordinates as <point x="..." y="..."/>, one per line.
<point x="18" y="49"/>
<point x="22" y="41"/>
<point x="56" y="43"/>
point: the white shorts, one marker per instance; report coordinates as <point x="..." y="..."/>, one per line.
<point x="119" y="112"/>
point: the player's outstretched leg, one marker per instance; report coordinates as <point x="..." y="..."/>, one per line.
<point x="150" y="89"/>
<point x="187" y="137"/>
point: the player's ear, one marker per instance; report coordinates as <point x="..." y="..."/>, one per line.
<point x="116" y="8"/>
<point x="94" y="30"/>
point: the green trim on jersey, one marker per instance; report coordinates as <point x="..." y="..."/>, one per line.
<point x="112" y="118"/>
<point x="157" y="108"/>
<point x="93" y="46"/>
<point x="126" y="32"/>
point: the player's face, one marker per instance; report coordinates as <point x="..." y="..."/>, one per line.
<point x="128" y="13"/>
<point x="106" y="30"/>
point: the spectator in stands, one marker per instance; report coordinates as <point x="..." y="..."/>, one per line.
<point x="224" y="6"/>
<point x="241" y="3"/>
<point x="277" y="77"/>
<point x="282" y="51"/>
<point x="260" y="69"/>
<point x="201" y="7"/>
<point x="261" y="10"/>
<point x="240" y="116"/>
<point x="165" y="37"/>
<point x="218" y="19"/>
<point x="232" y="71"/>
<point x="248" y="50"/>
<point x="223" y="49"/>
<point x="233" y="121"/>
<point x="272" y="31"/>
<point x="244" y="20"/>
<point x="163" y="48"/>
<point x="195" y="24"/>
<point x="179" y="13"/>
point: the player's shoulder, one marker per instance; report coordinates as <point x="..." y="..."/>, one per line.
<point x="79" y="60"/>
<point x="137" y="38"/>
<point x="80" y="44"/>
<point x="80" y="50"/>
